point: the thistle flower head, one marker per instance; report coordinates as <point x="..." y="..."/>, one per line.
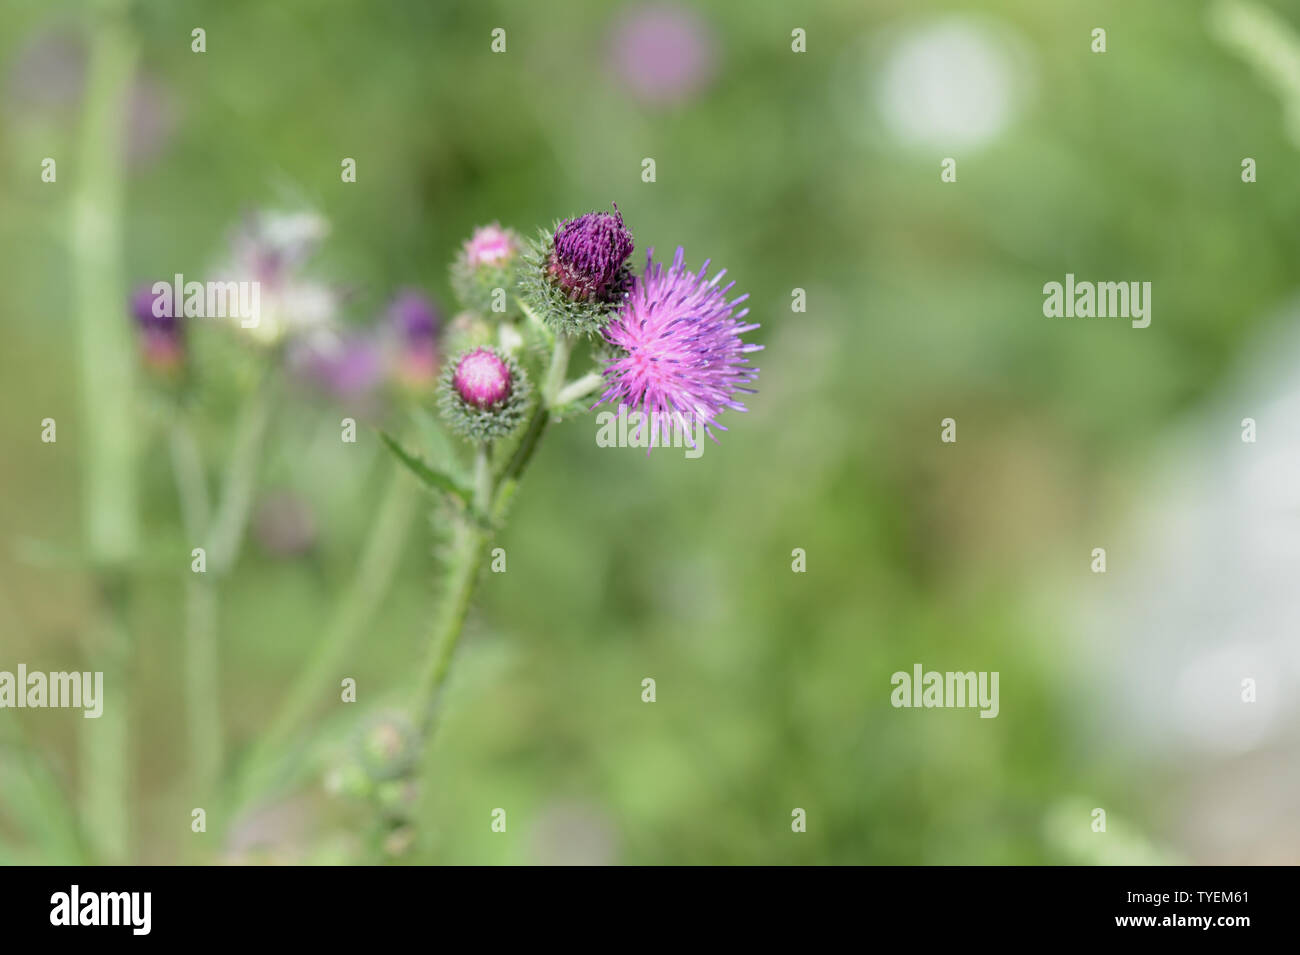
<point x="589" y="255"/>
<point x="491" y="245"/>
<point x="162" y="341"/>
<point x="482" y="378"/>
<point x="680" y="351"/>
<point x="484" y="394"/>
<point x="577" y="274"/>
<point x="485" y="268"/>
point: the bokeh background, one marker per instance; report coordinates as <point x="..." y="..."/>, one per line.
<point x="817" y="170"/>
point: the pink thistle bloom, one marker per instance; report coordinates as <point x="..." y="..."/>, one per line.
<point x="664" y="53"/>
<point x="684" y="355"/>
<point x="482" y="379"/>
<point x="491" y="245"/>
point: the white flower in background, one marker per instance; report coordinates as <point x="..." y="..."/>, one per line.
<point x="947" y="84"/>
<point x="271" y="249"/>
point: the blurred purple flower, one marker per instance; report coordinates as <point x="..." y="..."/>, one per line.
<point x="151" y="118"/>
<point x="162" y="339"/>
<point x="415" y="322"/>
<point x="48" y="72"/>
<point x="684" y="355"/>
<point x="48" y="76"/>
<point x="348" y="366"/>
<point x="664" y="53"/>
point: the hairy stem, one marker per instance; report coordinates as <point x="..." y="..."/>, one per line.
<point x="472" y="541"/>
<point x="462" y="575"/>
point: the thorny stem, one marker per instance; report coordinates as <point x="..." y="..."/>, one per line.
<point x="472" y="541"/>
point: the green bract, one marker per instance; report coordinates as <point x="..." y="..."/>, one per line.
<point x="563" y="314"/>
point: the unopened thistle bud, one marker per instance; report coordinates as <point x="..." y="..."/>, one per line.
<point x="484" y="394"/>
<point x="484" y="272"/>
<point x="576" y="276"/>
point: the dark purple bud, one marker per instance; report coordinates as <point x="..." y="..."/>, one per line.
<point x="589" y="254"/>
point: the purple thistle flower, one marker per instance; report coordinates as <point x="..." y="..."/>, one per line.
<point x="589" y="254"/>
<point x="161" y="336"/>
<point x="482" y="378"/>
<point x="684" y="356"/>
<point x="414" y="316"/>
<point x="416" y="321"/>
<point x="345" y="367"/>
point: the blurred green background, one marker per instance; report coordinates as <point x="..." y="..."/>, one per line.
<point x="817" y="170"/>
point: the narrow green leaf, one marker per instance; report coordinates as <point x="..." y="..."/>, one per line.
<point x="427" y="475"/>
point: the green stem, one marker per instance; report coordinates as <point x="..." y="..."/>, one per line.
<point x="462" y="575"/>
<point x="559" y="367"/>
<point x="472" y="542"/>
<point x="202" y="690"/>
<point x="356" y="608"/>
<point x="105" y="746"/>
<point x="579" y="388"/>
<point x="226" y="535"/>
<point x="108" y="440"/>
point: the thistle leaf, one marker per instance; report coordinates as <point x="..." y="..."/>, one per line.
<point x="428" y="476"/>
